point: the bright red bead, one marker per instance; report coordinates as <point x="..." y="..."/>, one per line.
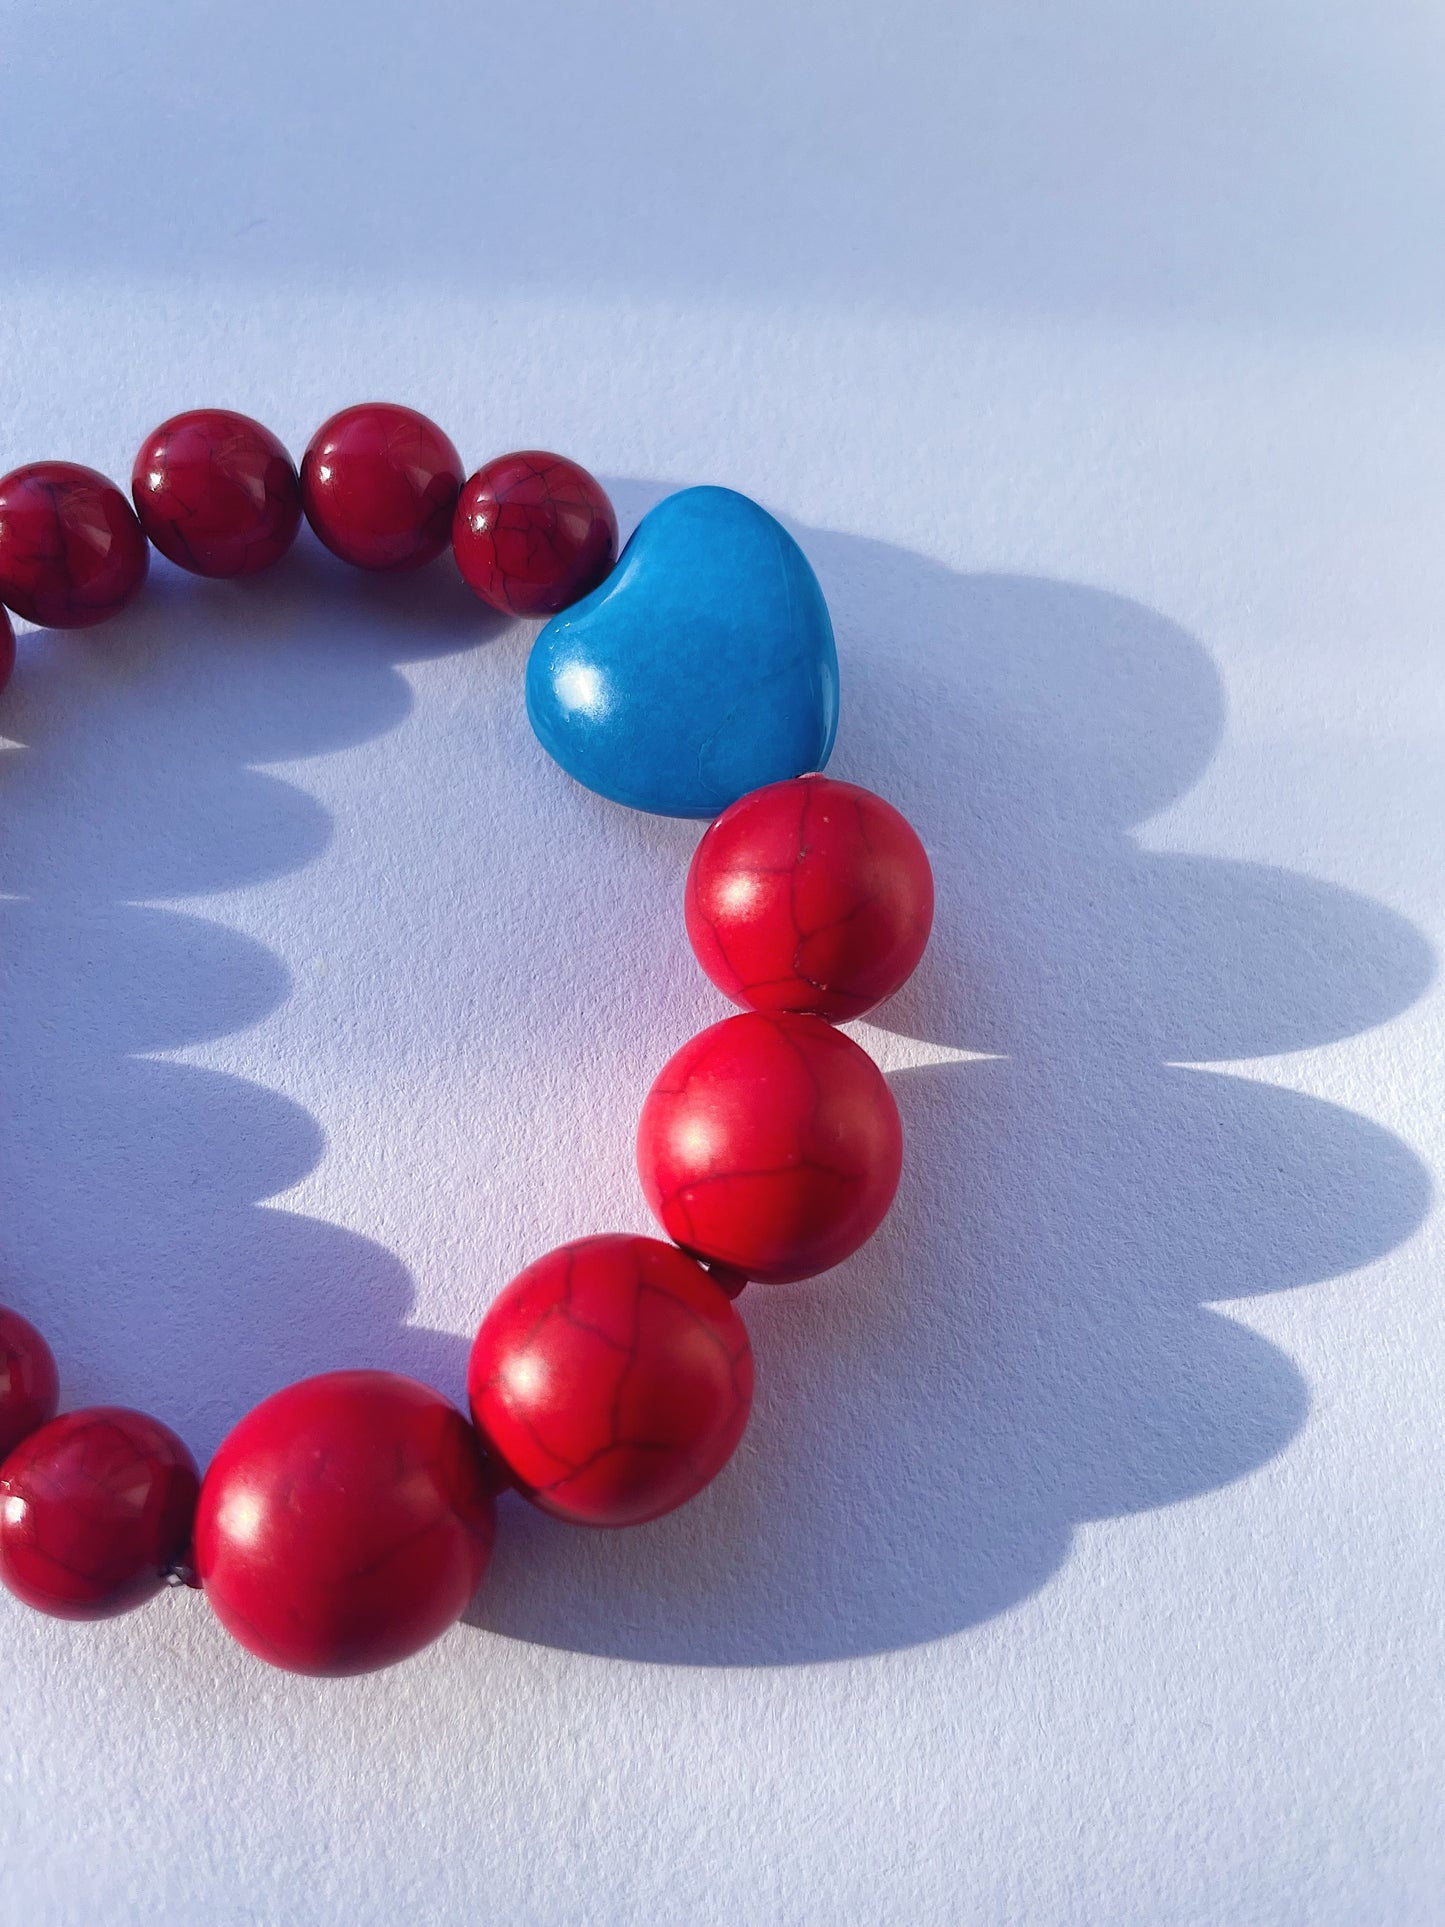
<point x="613" y="1379"/>
<point x="7" y="649"/>
<point x="345" y="1523"/>
<point x="533" y="532"/>
<point x="71" y="549"/>
<point x="29" y="1384"/>
<point x="95" y="1509"/>
<point x="770" y="1145"/>
<point x="811" y="895"/>
<point x="216" y="492"/>
<point x="379" y="485"/>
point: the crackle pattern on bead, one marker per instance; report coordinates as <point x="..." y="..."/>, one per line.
<point x="770" y="1144"/>
<point x="344" y="1523"/>
<point x="613" y="1378"/>
<point x="813" y="896"/>
<point x="71" y="550"/>
<point x="95" y="1508"/>
<point x="217" y="493"/>
<point x="379" y="485"/>
<point x="533" y="532"/>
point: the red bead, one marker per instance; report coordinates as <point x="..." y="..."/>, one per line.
<point x="95" y="1509"/>
<point x="29" y="1384"/>
<point x="216" y="493"/>
<point x="812" y="896"/>
<point x="345" y="1523"/>
<point x="7" y="649"/>
<point x="770" y="1145"/>
<point x="71" y="550"/>
<point x="533" y="532"/>
<point x="379" y="484"/>
<point x="613" y="1379"/>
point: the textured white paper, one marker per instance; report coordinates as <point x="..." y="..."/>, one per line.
<point x="1082" y="1564"/>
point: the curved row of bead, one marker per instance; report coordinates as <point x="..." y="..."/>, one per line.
<point x="348" y="1519"/>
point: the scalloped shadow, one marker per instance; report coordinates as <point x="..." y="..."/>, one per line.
<point x="1026" y="1346"/>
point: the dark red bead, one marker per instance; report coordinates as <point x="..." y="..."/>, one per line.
<point x="812" y="896"/>
<point x="379" y="485"/>
<point x="7" y="649"/>
<point x="613" y="1379"/>
<point x="29" y="1384"/>
<point x="71" y="549"/>
<point x="533" y="532"/>
<point x="344" y="1523"/>
<point x="95" y="1509"/>
<point x="216" y="492"/>
<point x="770" y="1145"/>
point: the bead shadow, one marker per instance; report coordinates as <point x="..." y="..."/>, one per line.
<point x="134" y="1217"/>
<point x="1028" y="1344"/>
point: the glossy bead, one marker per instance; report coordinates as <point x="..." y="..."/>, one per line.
<point x="344" y="1523"/>
<point x="7" y="649"/>
<point x="770" y="1145"/>
<point x="812" y="896"/>
<point x="71" y="549"/>
<point x="216" y="492"/>
<point x="95" y="1509"/>
<point x="533" y="532"/>
<point x="613" y="1379"/>
<point x="29" y="1384"/>
<point x="701" y="668"/>
<point x="379" y="485"/>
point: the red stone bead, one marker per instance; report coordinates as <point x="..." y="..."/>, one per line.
<point x="810" y="895"/>
<point x="379" y="484"/>
<point x="533" y="532"/>
<point x="216" y="493"/>
<point x="71" y="550"/>
<point x="613" y="1379"/>
<point x="344" y="1523"/>
<point x="7" y="649"/>
<point x="770" y="1145"/>
<point x="29" y="1384"/>
<point x="95" y="1509"/>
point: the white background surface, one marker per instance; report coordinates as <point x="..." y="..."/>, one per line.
<point x="1083" y="1561"/>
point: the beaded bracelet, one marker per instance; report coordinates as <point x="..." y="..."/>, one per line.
<point x="348" y="1519"/>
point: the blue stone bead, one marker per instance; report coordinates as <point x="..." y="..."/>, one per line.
<point x="703" y="667"/>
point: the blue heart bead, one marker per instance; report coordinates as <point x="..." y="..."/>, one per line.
<point x="703" y="667"/>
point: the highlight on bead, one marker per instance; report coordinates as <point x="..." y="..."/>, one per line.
<point x="612" y="1379"/>
<point x="344" y="1523"/>
<point x="216" y="493"/>
<point x="533" y="532"/>
<point x="347" y="1520"/>
<point x="379" y="484"/>
<point x="771" y="1145"/>
<point x="811" y="896"/>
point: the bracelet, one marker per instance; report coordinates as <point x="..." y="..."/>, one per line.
<point x="347" y="1520"/>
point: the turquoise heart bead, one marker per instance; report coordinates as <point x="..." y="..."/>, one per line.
<point x="703" y="667"/>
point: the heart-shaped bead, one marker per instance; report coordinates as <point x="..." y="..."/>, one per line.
<point x="703" y="667"/>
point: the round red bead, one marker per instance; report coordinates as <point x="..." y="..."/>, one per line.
<point x="345" y="1523"/>
<point x="216" y="492"/>
<point x="770" y="1145"/>
<point x="7" y="649"/>
<point x="95" y="1509"/>
<point x="811" y="895"/>
<point x="379" y="485"/>
<point x="533" y="532"/>
<point x="613" y="1380"/>
<point x="29" y="1384"/>
<point x="71" y="549"/>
